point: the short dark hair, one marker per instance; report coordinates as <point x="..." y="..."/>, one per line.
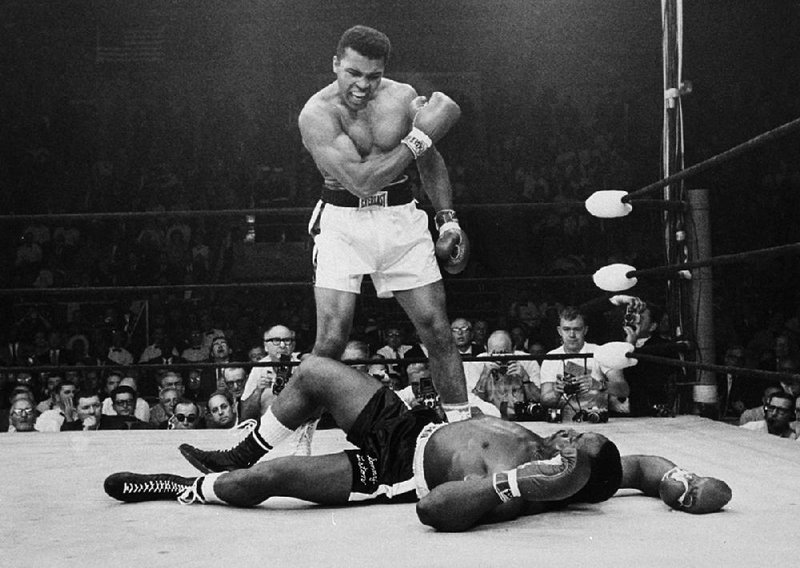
<point x="222" y="392"/>
<point x="122" y="390"/>
<point x="605" y="478"/>
<point x="367" y="41"/>
<point x="570" y="313"/>
<point x="85" y="393"/>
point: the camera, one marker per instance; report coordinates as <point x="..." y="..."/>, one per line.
<point x="502" y="367"/>
<point x="530" y="412"/>
<point x="594" y="415"/>
<point x="632" y="316"/>
<point x="571" y="385"/>
<point x="661" y="411"/>
<point x="428" y="394"/>
<point x="282" y="374"/>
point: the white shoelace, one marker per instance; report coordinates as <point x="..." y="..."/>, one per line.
<point x="190" y="494"/>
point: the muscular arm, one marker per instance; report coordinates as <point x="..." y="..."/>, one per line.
<point x="457" y="506"/>
<point x="435" y="179"/>
<point x="335" y="154"/>
<point x="644" y="473"/>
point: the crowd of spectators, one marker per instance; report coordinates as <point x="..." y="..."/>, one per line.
<point x="102" y="377"/>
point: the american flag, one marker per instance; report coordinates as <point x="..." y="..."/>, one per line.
<point x="131" y="44"/>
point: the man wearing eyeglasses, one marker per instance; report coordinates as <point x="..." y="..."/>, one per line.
<point x="264" y="383"/>
<point x="123" y="401"/>
<point x="779" y="412"/>
<point x="22" y="415"/>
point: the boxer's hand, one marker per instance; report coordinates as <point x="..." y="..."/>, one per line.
<point x="432" y="119"/>
<point x="688" y="492"/>
<point x="435" y="116"/>
<point x="545" y="480"/>
<point x="452" y="247"/>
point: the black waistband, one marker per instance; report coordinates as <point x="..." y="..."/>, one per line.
<point x="398" y="194"/>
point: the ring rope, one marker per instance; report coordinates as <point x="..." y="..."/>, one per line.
<point x="717" y="260"/>
<point x="288" y="211"/>
<point x="714" y="161"/>
<point x="752" y="373"/>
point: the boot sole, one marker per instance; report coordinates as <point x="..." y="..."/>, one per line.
<point x="187" y="452"/>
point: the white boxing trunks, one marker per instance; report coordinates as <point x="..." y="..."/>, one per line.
<point x="390" y="243"/>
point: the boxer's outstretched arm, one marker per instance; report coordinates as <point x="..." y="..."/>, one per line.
<point x="335" y="154"/>
<point x="644" y="473"/>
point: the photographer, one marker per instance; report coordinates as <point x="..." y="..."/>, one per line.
<point x="652" y="385"/>
<point x="579" y="387"/>
<point x="507" y="384"/>
<point x="420" y="391"/>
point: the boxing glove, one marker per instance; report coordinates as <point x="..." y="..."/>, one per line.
<point x="545" y="480"/>
<point x="452" y="246"/>
<point x="432" y="119"/>
<point x="688" y="492"/>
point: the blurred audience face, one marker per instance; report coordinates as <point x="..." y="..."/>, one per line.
<point x="278" y="340"/>
<point x="462" y="333"/>
<point x="22" y="415"/>
<point x="256" y="354"/>
<point x="171" y="380"/>
<point x="394" y="337"/>
<point x="66" y="394"/>
<point x="220" y="349"/>
<point x="355" y="350"/>
<point x="235" y="378"/>
<point x="124" y="404"/>
<point x="112" y="382"/>
<point x="220" y="412"/>
<point x="186" y="416"/>
<point x="52" y="383"/>
<point x="88" y="408"/>
<point x="480" y="332"/>
<point x="168" y="398"/>
<point x="778" y="413"/>
<point x="194" y="380"/>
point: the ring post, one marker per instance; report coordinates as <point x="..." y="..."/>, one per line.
<point x="704" y="393"/>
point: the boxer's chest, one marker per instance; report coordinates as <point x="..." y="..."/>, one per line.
<point x="374" y="132"/>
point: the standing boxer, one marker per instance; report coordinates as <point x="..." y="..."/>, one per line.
<point x="363" y="132"/>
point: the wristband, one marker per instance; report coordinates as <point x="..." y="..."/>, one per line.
<point x="446" y="220"/>
<point x="505" y="485"/>
<point x="502" y="486"/>
<point x="417" y="141"/>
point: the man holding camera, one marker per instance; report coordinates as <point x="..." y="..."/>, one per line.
<point x="507" y="384"/>
<point x="579" y="387"/>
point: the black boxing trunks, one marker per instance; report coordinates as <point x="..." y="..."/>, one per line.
<point x="386" y="433"/>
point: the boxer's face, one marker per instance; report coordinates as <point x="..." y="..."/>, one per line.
<point x="357" y="77"/>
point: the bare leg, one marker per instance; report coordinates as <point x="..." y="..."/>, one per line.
<point x="335" y="311"/>
<point x="319" y="479"/>
<point x="425" y="307"/>
<point x="324" y="383"/>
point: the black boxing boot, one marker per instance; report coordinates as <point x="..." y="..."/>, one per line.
<point x="135" y="487"/>
<point x="243" y="455"/>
